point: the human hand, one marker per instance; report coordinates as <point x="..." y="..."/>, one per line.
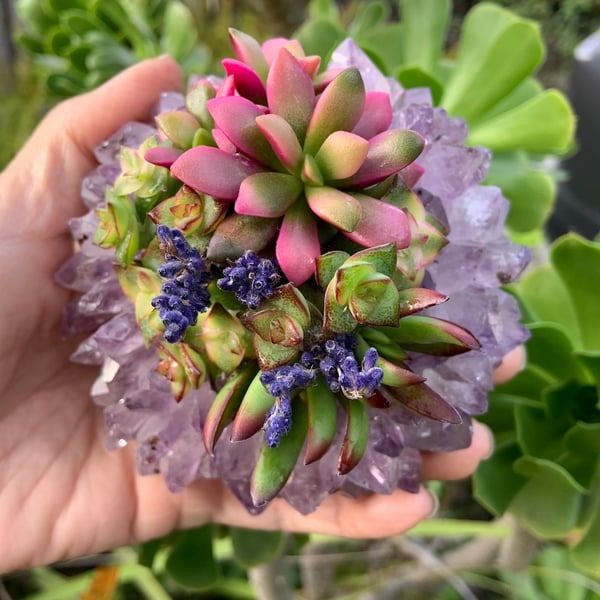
<point x="61" y="493"/>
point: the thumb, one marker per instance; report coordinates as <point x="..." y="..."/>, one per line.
<point x="47" y="173"/>
<point x="84" y="121"/>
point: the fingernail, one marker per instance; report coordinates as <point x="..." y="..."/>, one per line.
<point x="435" y="504"/>
<point x="491" y="442"/>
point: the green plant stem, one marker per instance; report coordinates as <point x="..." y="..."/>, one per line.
<point x="269" y="581"/>
<point x="132" y="573"/>
<point x="518" y="549"/>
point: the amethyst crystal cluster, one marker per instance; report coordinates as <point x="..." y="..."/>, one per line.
<point x="291" y="279"/>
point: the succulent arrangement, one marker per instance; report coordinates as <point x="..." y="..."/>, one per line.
<point x="292" y="279"/>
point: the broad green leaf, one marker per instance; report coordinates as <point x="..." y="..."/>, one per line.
<point x="591" y="363"/>
<point x="413" y="77"/>
<point x="555" y="560"/>
<point x="546" y="299"/>
<point x="65" y="84"/>
<point x="179" y="31"/>
<point x="497" y="51"/>
<point x="324" y="9"/>
<point x="368" y="16"/>
<point x="526" y="90"/>
<point x="537" y="434"/>
<point x="586" y="554"/>
<point x="577" y="262"/>
<point x="79" y="21"/>
<point x="548" y="504"/>
<point x="319" y="37"/>
<point x="274" y="465"/>
<point x="528" y="383"/>
<point x="252" y="547"/>
<point x="424" y="25"/>
<point x="385" y="42"/>
<point x="582" y="457"/>
<point x="531" y="192"/>
<point x="191" y="562"/>
<point x="549" y="348"/>
<point x="495" y="482"/>
<point x="500" y="416"/>
<point x="545" y="124"/>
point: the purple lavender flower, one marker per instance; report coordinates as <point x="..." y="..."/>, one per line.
<point x="251" y="278"/>
<point x="281" y="383"/>
<point x="337" y="363"/>
<point x="185" y="294"/>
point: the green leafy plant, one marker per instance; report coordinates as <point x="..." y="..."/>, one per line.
<point x="546" y="467"/>
<point x="489" y="80"/>
<point x="78" y="44"/>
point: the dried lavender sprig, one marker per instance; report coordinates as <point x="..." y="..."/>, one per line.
<point x="185" y="292"/>
<point x="336" y="361"/>
<point x="280" y="383"/>
<point x="251" y="278"/>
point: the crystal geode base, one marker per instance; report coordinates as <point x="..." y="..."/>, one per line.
<point x="138" y="404"/>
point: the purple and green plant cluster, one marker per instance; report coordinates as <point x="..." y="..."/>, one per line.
<point x="292" y="279"/>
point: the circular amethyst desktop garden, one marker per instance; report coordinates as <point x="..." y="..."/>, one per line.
<point x="291" y="279"/>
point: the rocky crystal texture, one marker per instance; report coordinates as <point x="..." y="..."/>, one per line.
<point x="291" y="280"/>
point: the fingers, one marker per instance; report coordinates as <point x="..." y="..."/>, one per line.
<point x="129" y="96"/>
<point x="371" y="516"/>
<point x="511" y="364"/>
<point x="459" y="463"/>
<point x="88" y="119"/>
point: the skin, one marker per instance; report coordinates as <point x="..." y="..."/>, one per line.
<point x="61" y="493"/>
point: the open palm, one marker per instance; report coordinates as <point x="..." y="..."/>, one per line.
<point x="61" y="493"/>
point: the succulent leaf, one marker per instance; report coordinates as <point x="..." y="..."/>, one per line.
<point x="322" y="420"/>
<point x="179" y="126"/>
<point x="376" y="116"/>
<point x="222" y="337"/>
<point x="326" y="266"/>
<point x="189" y="212"/>
<point x="432" y="335"/>
<point x="248" y="51"/>
<point x="225" y="405"/>
<point x="381" y="223"/>
<point x="238" y="233"/>
<point x="389" y="152"/>
<point x="267" y="194"/>
<point x="214" y="172"/>
<point x="298" y="244"/>
<point x="375" y="301"/>
<point x="283" y="140"/>
<point x="251" y="414"/>
<point x="236" y="118"/>
<point x="341" y="155"/>
<point x="275" y="465"/>
<point x="247" y="82"/>
<point x="356" y="436"/>
<point x="382" y="257"/>
<point x="290" y="92"/>
<point x="341" y="210"/>
<point x="339" y="108"/>
<point x="421" y="399"/>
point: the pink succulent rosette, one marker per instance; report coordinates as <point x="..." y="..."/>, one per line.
<point x="292" y="279"/>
